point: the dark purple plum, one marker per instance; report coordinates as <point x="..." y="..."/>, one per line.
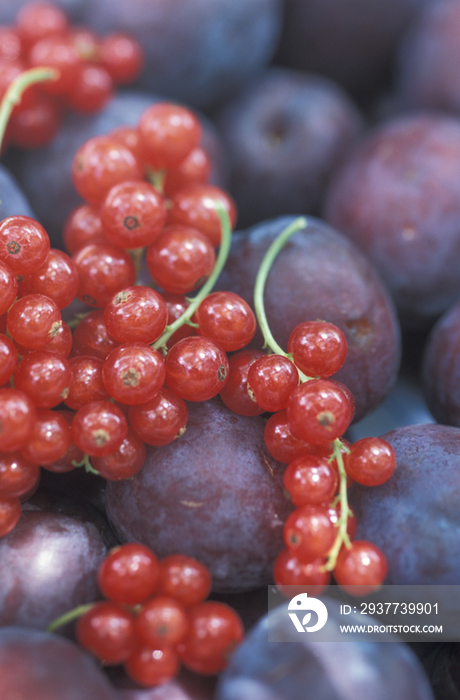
<point x="285" y="136"/>
<point x="414" y="517"/>
<point x="45" y="173"/>
<point x="398" y="199"/>
<point x="197" y="51"/>
<point x="214" y="494"/>
<point x="321" y="274"/>
<point x="427" y="75"/>
<point x="42" y="666"/>
<point x="441" y="368"/>
<point x="350" y="41"/>
<point x="300" y="667"/>
<point x="49" y="561"/>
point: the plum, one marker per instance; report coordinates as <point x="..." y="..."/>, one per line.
<point x="43" y="666"/>
<point x="413" y="518"/>
<point x="441" y="368"/>
<point x="350" y="41"/>
<point x="427" y="60"/>
<point x="398" y="198"/>
<point x="298" y="667"/>
<point x="321" y="274"/>
<point x="186" y="686"/>
<point x="49" y="561"/>
<point x="285" y="136"/>
<point x="214" y="494"/>
<point x="197" y="51"/>
<point x="45" y="173"/>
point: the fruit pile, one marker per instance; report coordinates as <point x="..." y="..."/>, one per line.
<point x="155" y="617"/>
<point x="85" y="69"/>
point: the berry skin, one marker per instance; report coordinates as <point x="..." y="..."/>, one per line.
<point x="196" y="368"/>
<point x="133" y="214"/>
<point x="24" y="244"/>
<point x="10" y="512"/>
<point x="101" y="163"/>
<point x="185" y="579"/>
<point x="360" y="569"/>
<point x="136" y="314"/>
<point x="271" y="381"/>
<point x="17" y="417"/>
<point x="83" y="226"/>
<point x="168" y="133"/>
<point x="104" y="270"/>
<point x="91" y="336"/>
<point x="122" y="56"/>
<point x="57" y="278"/>
<point x="99" y="428"/>
<point x="161" y="622"/>
<point x="195" y="206"/>
<point x="235" y="392"/>
<point x="49" y="439"/>
<point x="125" y="462"/>
<point x="227" y="319"/>
<point x="301" y="577"/>
<point x="181" y="259"/>
<point x="107" y="631"/>
<point x="311" y="480"/>
<point x="8" y="287"/>
<point x="371" y="461"/>
<point x="309" y="532"/>
<point x="45" y="377"/>
<point x="318" y="348"/>
<point x="149" y="666"/>
<point x="318" y="411"/>
<point x="133" y="373"/>
<point x="34" y="320"/>
<point x="17" y="475"/>
<point x="215" y="631"/>
<point x="86" y="381"/>
<point x="129" y="574"/>
<point x="160" y="420"/>
<point x="280" y="441"/>
<point x="8" y="358"/>
<point x="195" y="169"/>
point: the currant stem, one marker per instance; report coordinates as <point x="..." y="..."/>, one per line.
<point x="210" y="282"/>
<point x="86" y="463"/>
<point x="69" y="616"/>
<point x="342" y="535"/>
<point x="14" y="92"/>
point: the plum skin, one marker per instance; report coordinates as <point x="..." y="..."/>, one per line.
<point x="214" y="494"/>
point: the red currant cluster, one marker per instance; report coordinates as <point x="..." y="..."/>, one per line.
<point x="88" y="68"/>
<point x="155" y="617"/>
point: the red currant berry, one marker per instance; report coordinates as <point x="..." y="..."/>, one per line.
<point x="235" y="392"/>
<point x="195" y="169"/>
<point x="318" y="412"/>
<point x="133" y="214"/>
<point x="136" y="314"/>
<point x="100" y="164"/>
<point x="360" y="569"/>
<point x="45" y="377"/>
<point x="177" y="304"/>
<point x="129" y="574"/>
<point x="73" y="456"/>
<point x="49" y="439"/>
<point x="122" y="56"/>
<point x="17" y="475"/>
<point x="17" y="417"/>
<point x="91" y="90"/>
<point x="168" y="133"/>
<point x="8" y="287"/>
<point x="293" y="576"/>
<point x="104" y="270"/>
<point x="309" y="532"/>
<point x="311" y="480"/>
<point x="181" y="259"/>
<point x="160" y="420"/>
<point x="8" y="358"/>
<point x="57" y="52"/>
<point x="185" y="579"/>
<point x="34" y="320"/>
<point x="91" y="336"/>
<point x="125" y="462"/>
<point x="149" y="666"/>
<point x="215" y="631"/>
<point x="37" y="20"/>
<point x="195" y="207"/>
<point x="161" y="622"/>
<point x="82" y="226"/>
<point x="35" y="124"/>
<point x="196" y="369"/>
<point x="280" y="441"/>
<point x="271" y="381"/>
<point x="352" y="525"/>
<point x="318" y="348"/>
<point x="24" y="244"/>
<point x="227" y="319"/>
<point x="134" y="373"/>
<point x="371" y="461"/>
<point x="107" y="631"/>
<point x="57" y="279"/>
<point x="99" y="428"/>
<point x="10" y="512"/>
<point x="86" y="381"/>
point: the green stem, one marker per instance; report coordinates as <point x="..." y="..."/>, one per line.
<point x="210" y="282"/>
<point x="342" y="535"/>
<point x="69" y="616"/>
<point x="86" y="463"/>
<point x="14" y="92"/>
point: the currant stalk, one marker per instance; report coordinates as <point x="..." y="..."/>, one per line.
<point x="270" y="342"/>
<point x="15" y="90"/>
<point x="208" y="285"/>
<point x="69" y="616"/>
